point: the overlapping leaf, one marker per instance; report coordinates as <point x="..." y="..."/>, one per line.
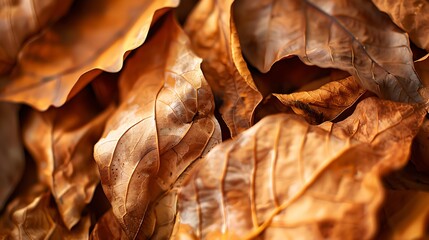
<point x="61" y="142"/>
<point x="214" y="38"/>
<point x="410" y="15"/>
<point x="31" y="216"/>
<point x="11" y="151"/>
<point x="325" y="103"/>
<point x="108" y="227"/>
<point x="164" y="124"/>
<point x="94" y="35"/>
<point x="284" y="178"/>
<point x="19" y="20"/>
<point x="349" y="35"/>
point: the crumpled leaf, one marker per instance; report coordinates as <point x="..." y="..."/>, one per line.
<point x="31" y="216"/>
<point x="108" y="227"/>
<point x="19" y="20"/>
<point x="94" y="35"/>
<point x="214" y="38"/>
<point x="284" y="178"/>
<point x="410" y="15"/>
<point x="351" y="35"/>
<point x="325" y="103"/>
<point x="12" y="159"/>
<point x="61" y="141"/>
<point x="164" y="124"/>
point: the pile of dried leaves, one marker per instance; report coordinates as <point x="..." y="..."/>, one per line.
<point x="217" y="119"/>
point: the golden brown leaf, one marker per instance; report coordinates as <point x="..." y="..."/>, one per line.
<point x="20" y="20"/>
<point x="11" y="151"/>
<point x="410" y="15"/>
<point x="94" y="35"/>
<point x="61" y="142"/>
<point x="163" y="125"/>
<point x="351" y="35"/>
<point x="31" y="216"/>
<point x="214" y="38"/>
<point x="325" y="103"/>
<point x="108" y="227"/>
<point x="284" y="178"/>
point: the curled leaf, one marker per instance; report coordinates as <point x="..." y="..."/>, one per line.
<point x="20" y="20"/>
<point x="325" y="103"/>
<point x="94" y="35"/>
<point x="31" y="216"/>
<point x="410" y="15"/>
<point x="61" y="141"/>
<point x="214" y="38"/>
<point x="284" y="178"/>
<point x="12" y="159"/>
<point x="164" y="124"/>
<point x="349" y="35"/>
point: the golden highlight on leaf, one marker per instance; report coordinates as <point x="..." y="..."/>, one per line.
<point x="94" y="35"/>
<point x="284" y="178"/>
<point x="214" y="38"/>
<point x="325" y="103"/>
<point x="164" y="124"/>
<point x="61" y="141"/>
<point x="351" y="35"/>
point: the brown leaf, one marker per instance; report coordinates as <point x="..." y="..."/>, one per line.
<point x="94" y="35"/>
<point x="20" y="20"/>
<point x="350" y="35"/>
<point x="31" y="216"/>
<point x="325" y="103"/>
<point x="108" y="227"/>
<point x="163" y="125"/>
<point x="410" y="15"/>
<point x="12" y="159"/>
<point x="214" y="38"/>
<point x="61" y="142"/>
<point x="284" y="178"/>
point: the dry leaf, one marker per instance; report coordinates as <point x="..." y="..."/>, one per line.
<point x="284" y="178"/>
<point x="12" y="159"/>
<point x="20" y="20"/>
<point x="410" y="15"/>
<point x="108" y="227"/>
<point x="61" y="142"/>
<point x="325" y="103"/>
<point x="163" y="125"/>
<point x="94" y="35"/>
<point x="350" y="35"/>
<point x="214" y="38"/>
<point x="31" y="216"/>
